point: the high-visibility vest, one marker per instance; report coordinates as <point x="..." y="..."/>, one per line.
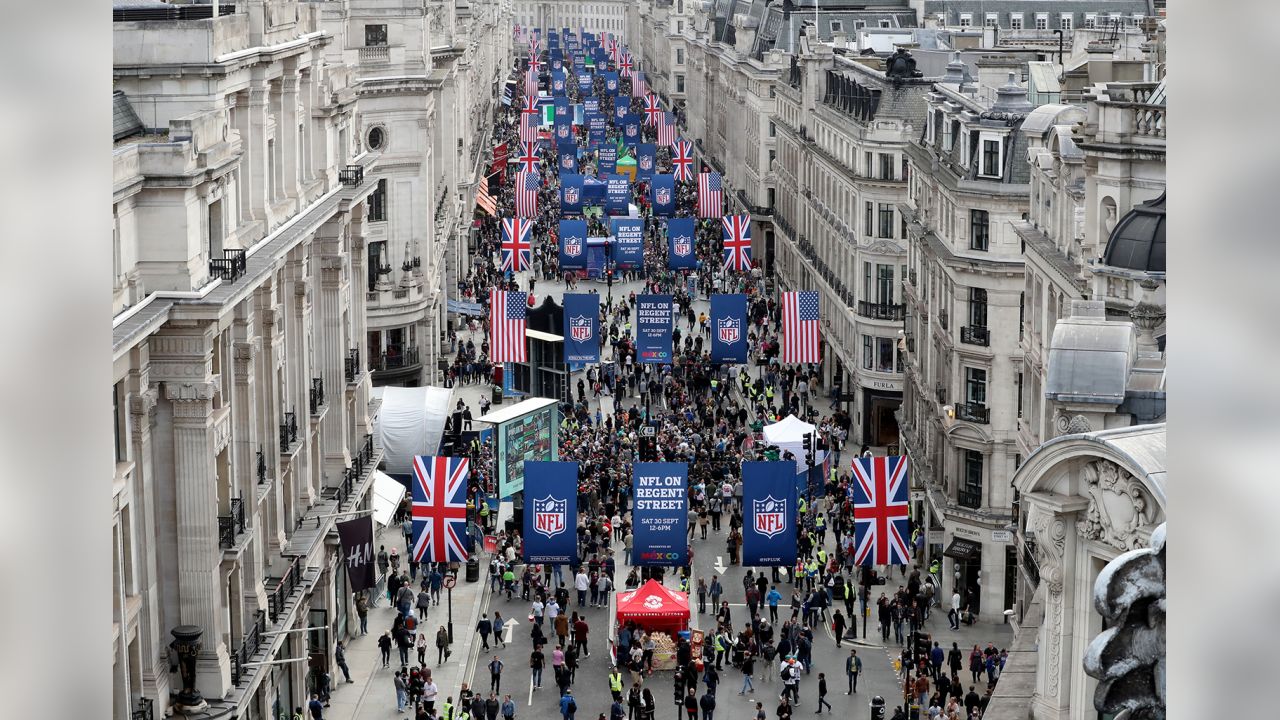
<point x="804" y="506"/>
<point x="615" y="682"/>
<point x="447" y="711"/>
<point x="822" y="556"/>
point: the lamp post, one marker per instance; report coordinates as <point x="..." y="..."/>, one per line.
<point x="186" y="643"/>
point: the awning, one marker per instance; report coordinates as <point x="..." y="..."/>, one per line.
<point x="387" y="494"/>
<point x="964" y="550"/>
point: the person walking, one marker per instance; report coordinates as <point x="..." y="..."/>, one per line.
<point x="508" y="708"/>
<point x="707" y="703"/>
<point x="430" y="692"/>
<point x="384" y="644"/>
<point x="748" y="667"/>
<point x="838" y="626"/>
<point x="852" y="668"/>
<point x="822" y="694"/>
<point x="955" y="659"/>
<point x="495" y="674"/>
<point x="691" y="704"/>
<point x="424" y="602"/>
<point x="442" y="646"/>
<point x="568" y="706"/>
<point x="484" y="627"/>
<point x="580" y="636"/>
<point x="362" y="610"/>
<point x="536" y="661"/>
<point x="402" y="692"/>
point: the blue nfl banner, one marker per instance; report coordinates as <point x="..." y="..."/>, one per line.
<point x="581" y="329"/>
<point x="617" y="194"/>
<point x="557" y="82"/>
<point x="610" y="82"/>
<point x="568" y="161"/>
<point x="580" y="67"/>
<point x="584" y="81"/>
<point x="562" y="109"/>
<point x="664" y="195"/>
<point x="596" y="125"/>
<point x="729" y="328"/>
<point x="570" y="194"/>
<point x="628" y="246"/>
<point x="653" y="328"/>
<point x="646" y="160"/>
<point x="591" y="105"/>
<point x="573" y="244"/>
<point x="621" y="106"/>
<point x="681" y="254"/>
<point x="551" y="512"/>
<point x="631" y="129"/>
<point x="608" y="156"/>
<point x="660" y="513"/>
<point x="563" y="132"/>
<point x="769" y="514"/>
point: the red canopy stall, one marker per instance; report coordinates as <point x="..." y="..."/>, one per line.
<point x="660" y="611"/>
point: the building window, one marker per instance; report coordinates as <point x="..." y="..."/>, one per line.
<point x="377" y="258"/>
<point x="679" y="56"/>
<point x="118" y="419"/>
<point x="773" y="129"/>
<point x="868" y="219"/>
<point x="679" y="83"/>
<point x="978" y="307"/>
<point x="1064" y="22"/>
<point x="979" y="230"/>
<point x="991" y="160"/>
<point x="1015" y="21"/>
<point x="378" y="202"/>
<point x="867" y="165"/>
<point x="1019" y="399"/>
<point x="886" y="166"/>
<point x="859" y="24"/>
<point x="971" y="491"/>
<point x="375" y="35"/>
<point x="884" y="284"/>
<point x="906" y="169"/>
<point x="975" y="386"/>
<point x="884" y="355"/>
<point x="837" y="26"/>
<point x="376" y="138"/>
<point x="772" y="154"/>
<point x="1042" y="21"/>
<point x="868" y="354"/>
<point x="966" y="20"/>
<point x="886" y="220"/>
<point x="991" y="20"/>
<point x="1090" y="20"/>
<point x="885" y="24"/>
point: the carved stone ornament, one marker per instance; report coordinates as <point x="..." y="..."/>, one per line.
<point x="1118" y="506"/>
<point x="1128" y="658"/>
<point x="144" y="402"/>
<point x="1051" y="544"/>
<point x="1073" y="425"/>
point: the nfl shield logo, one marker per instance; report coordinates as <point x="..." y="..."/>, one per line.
<point x="571" y="195"/>
<point x="567" y="162"/>
<point x="730" y="330"/>
<point x="683" y="245"/>
<point x="559" y="84"/>
<point x="613" y="85"/>
<point x="771" y="516"/>
<point x="573" y="247"/>
<point x="548" y="516"/>
<point x="562" y="131"/>
<point x="631" y="131"/>
<point x="580" y="328"/>
<point x="663" y="196"/>
<point x="646" y="163"/>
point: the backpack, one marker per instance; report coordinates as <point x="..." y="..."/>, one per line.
<point x="573" y="707"/>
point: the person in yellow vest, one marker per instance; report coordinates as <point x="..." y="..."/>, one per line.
<point x="803" y="508"/>
<point x="768" y="393"/>
<point x="446" y="712"/>
<point x="615" y="684"/>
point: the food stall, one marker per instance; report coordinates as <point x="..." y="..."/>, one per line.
<point x="660" y="611"/>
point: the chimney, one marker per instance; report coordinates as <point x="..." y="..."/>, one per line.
<point x="1012" y="98"/>
<point x="955" y="71"/>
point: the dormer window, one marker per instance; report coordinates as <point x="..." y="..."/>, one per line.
<point x="992" y="159"/>
<point x="837" y="26"/>
<point x="966" y="20"/>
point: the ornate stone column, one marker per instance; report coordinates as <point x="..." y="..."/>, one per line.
<point x="298" y="340"/>
<point x="287" y="134"/>
<point x="1053" y="519"/>
<point x="330" y="345"/>
<point x="358" y="327"/>
<point x="253" y="137"/>
<point x="269" y="362"/>
<point x="155" y="661"/>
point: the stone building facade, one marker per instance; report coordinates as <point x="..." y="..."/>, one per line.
<point x="594" y="16"/>
<point x="245" y="184"/>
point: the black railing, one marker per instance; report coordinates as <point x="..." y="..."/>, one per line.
<point x="351" y="175"/>
<point x="974" y="335"/>
<point x="202" y="11"/>
<point x="250" y="644"/>
<point x="317" y="395"/>
<point x="352" y="365"/>
<point x="224" y="268"/>
<point x="971" y="499"/>
<point x="288" y="431"/>
<point x="972" y="412"/>
<point x="285" y="586"/>
<point x="396" y="360"/>
<point x="366" y="450"/>
<point x="226" y="531"/>
<point x="882" y="311"/>
<point x="262" y="466"/>
<point x="145" y="710"/>
<point x="1029" y="564"/>
<point x="237" y="513"/>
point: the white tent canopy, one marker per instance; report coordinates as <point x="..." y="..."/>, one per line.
<point x="387" y="494"/>
<point x="410" y="422"/>
<point x="788" y="434"/>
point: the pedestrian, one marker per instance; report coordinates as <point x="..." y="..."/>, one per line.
<point x="422" y="647"/>
<point x="508" y="708"/>
<point x="430" y="692"/>
<point x="442" y="645"/>
<point x="484" y="627"/>
<point x="822" y="694"/>
<point x="491" y="706"/>
<point x="707" y="703"/>
<point x="495" y="674"/>
<point x="316" y="708"/>
<point x="384" y="644"/>
<point x="498" y="625"/>
<point x="424" y="602"/>
<point x="340" y="658"/>
<point x="402" y="692"/>
<point x="362" y="610"/>
<point x="568" y="706"/>
<point x="748" y="667"/>
<point x="691" y="704"/>
<point x="536" y="661"/>
<point x="580" y="636"/>
<point x="852" y="668"/>
<point x="838" y="626"/>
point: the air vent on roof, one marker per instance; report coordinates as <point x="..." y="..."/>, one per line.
<point x="143" y="11"/>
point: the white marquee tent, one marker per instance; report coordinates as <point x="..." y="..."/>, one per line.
<point x="410" y="422"/>
<point x="788" y="434"/>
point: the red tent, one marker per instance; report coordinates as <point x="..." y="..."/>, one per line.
<point x="654" y="607"/>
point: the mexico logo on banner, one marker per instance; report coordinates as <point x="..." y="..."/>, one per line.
<point x="769" y="506"/>
<point x="551" y="516"/>
<point x="653" y="328"/>
<point x="661" y="514"/>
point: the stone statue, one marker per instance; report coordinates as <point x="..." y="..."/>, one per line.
<point x="1128" y="658"/>
<point x="901" y="65"/>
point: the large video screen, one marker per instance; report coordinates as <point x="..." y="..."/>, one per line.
<point x="528" y="437"/>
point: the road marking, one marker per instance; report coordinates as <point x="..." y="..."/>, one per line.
<point x="719" y="566"/>
<point x="530" y="701"/>
<point x="507" y="627"/>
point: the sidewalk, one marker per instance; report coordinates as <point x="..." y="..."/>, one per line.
<point x="372" y="693"/>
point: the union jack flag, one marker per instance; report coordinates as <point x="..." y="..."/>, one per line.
<point x="529" y="104"/>
<point x="528" y="160"/>
<point x="528" y="127"/>
<point x="652" y="110"/>
<point x="527" y="185"/>
<point x="800" y="327"/>
<point x="710" y="202"/>
<point x="638" y="86"/>
<point x="507" y="316"/>
<point x="625" y="65"/>
<point x="682" y="160"/>
<point x="516" y="244"/>
<point x="880" y="524"/>
<point x="535" y="63"/>
<point x="737" y="241"/>
<point x="667" y="129"/>
<point x="440" y="509"/>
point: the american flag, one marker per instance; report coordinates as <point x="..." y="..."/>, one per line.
<point x="528" y="127"/>
<point x="531" y="82"/>
<point x="667" y="129"/>
<point x="737" y="241"/>
<point x="880" y="524"/>
<point x="527" y="185"/>
<point x="507" y="326"/>
<point x="710" y="201"/>
<point x="652" y="110"/>
<point x="638" y="86"/>
<point x="440" y="508"/>
<point x="528" y="160"/>
<point x="800" y="327"/>
<point x="682" y="160"/>
<point x="516" y="244"/>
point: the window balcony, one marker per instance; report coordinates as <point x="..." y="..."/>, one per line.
<point x="375" y="55"/>
<point x="285" y="585"/>
<point x="288" y="431"/>
<point x="974" y="335"/>
<point x="230" y="267"/>
<point x="316" y="395"/>
<point x="352" y="365"/>
<point x="395" y="359"/>
<point x="974" y="413"/>
<point x="250" y="644"/>
<point x="351" y="175"/>
<point x="971" y="499"/>
<point x="882" y="311"/>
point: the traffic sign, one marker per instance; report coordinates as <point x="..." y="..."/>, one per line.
<point x="450" y="581"/>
